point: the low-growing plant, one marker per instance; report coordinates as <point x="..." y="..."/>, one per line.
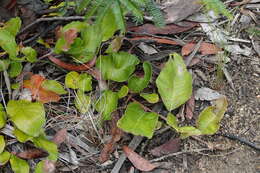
<point x="82" y="41"/>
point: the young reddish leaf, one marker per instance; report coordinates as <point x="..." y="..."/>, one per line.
<point x="168" y="29"/>
<point x="60" y="136"/>
<point x="171" y="146"/>
<point x="69" y="37"/>
<point x="189" y="107"/>
<point x="39" y="93"/>
<point x="32" y="154"/>
<point x="205" y="49"/>
<point x="138" y="161"/>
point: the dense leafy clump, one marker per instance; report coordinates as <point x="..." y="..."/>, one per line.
<point x="218" y="7"/>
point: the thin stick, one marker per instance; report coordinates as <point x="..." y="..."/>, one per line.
<point x="47" y="19"/>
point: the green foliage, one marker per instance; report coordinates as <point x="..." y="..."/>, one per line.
<point x="107" y="104"/>
<point x="218" y="7"/>
<point x="137" y="121"/>
<point x="75" y="80"/>
<point x="137" y="84"/>
<point x="27" y="116"/>
<point x="2" y="144"/>
<point x="151" y="98"/>
<point x="82" y="102"/>
<point x="2" y="116"/>
<point x="123" y="91"/>
<point x="117" y="66"/>
<point x="18" y="165"/>
<point x="4" y="157"/>
<point x="54" y="86"/>
<point x="207" y="123"/>
<point x="9" y="45"/>
<point x="174" y="83"/>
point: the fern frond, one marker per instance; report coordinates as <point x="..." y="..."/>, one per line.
<point x="218" y="7"/>
<point x="155" y="12"/>
<point x="133" y="8"/>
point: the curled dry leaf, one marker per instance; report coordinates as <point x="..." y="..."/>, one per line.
<point x="171" y="146"/>
<point x="32" y="154"/>
<point x="60" y="136"/>
<point x="138" y="161"/>
<point x="205" y="49"/>
<point x="168" y="29"/>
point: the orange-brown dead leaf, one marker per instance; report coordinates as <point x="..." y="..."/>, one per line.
<point x="158" y="40"/>
<point x="39" y="93"/>
<point x="138" y="161"/>
<point x="205" y="49"/>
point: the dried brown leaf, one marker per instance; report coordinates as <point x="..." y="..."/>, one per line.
<point x="138" y="161"/>
<point x="171" y="146"/>
<point x="32" y="154"/>
<point x="189" y="107"/>
<point x="60" y="136"/>
<point x="205" y="49"/>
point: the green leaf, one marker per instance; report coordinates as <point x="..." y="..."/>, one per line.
<point x="117" y="66"/>
<point x="47" y="145"/>
<point x="151" y="98"/>
<point x="18" y="165"/>
<point x="27" y="116"/>
<point x="79" y="26"/>
<point x="119" y="16"/>
<point x="209" y="119"/>
<point x="174" y="83"/>
<point x="2" y="143"/>
<point x="39" y="167"/>
<point x="2" y="116"/>
<point x="7" y="42"/>
<point x="185" y="131"/>
<point x="15" y="69"/>
<point x="137" y="84"/>
<point x="13" y="25"/>
<point x="4" y="157"/>
<point x="21" y="136"/>
<point x="108" y="25"/>
<point x="54" y="86"/>
<point x="71" y="80"/>
<point x="137" y="121"/>
<point x="85" y="82"/>
<point x="82" y="102"/>
<point x="123" y="91"/>
<point x="107" y="104"/>
<point x="30" y="54"/>
<point x="4" y="64"/>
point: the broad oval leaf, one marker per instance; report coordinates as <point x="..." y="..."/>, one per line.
<point x="210" y="117"/>
<point x="54" y="86"/>
<point x="85" y="82"/>
<point x="138" y="122"/>
<point x="4" y="157"/>
<point x="27" y="116"/>
<point x="108" y="25"/>
<point x="71" y="80"/>
<point x="174" y="83"/>
<point x="117" y="66"/>
<point x="82" y="102"/>
<point x="137" y="84"/>
<point x="107" y="104"/>
<point x="151" y="98"/>
<point x="2" y="143"/>
<point x="18" y="165"/>
<point x="7" y="42"/>
<point x="2" y="116"/>
<point x="48" y="146"/>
